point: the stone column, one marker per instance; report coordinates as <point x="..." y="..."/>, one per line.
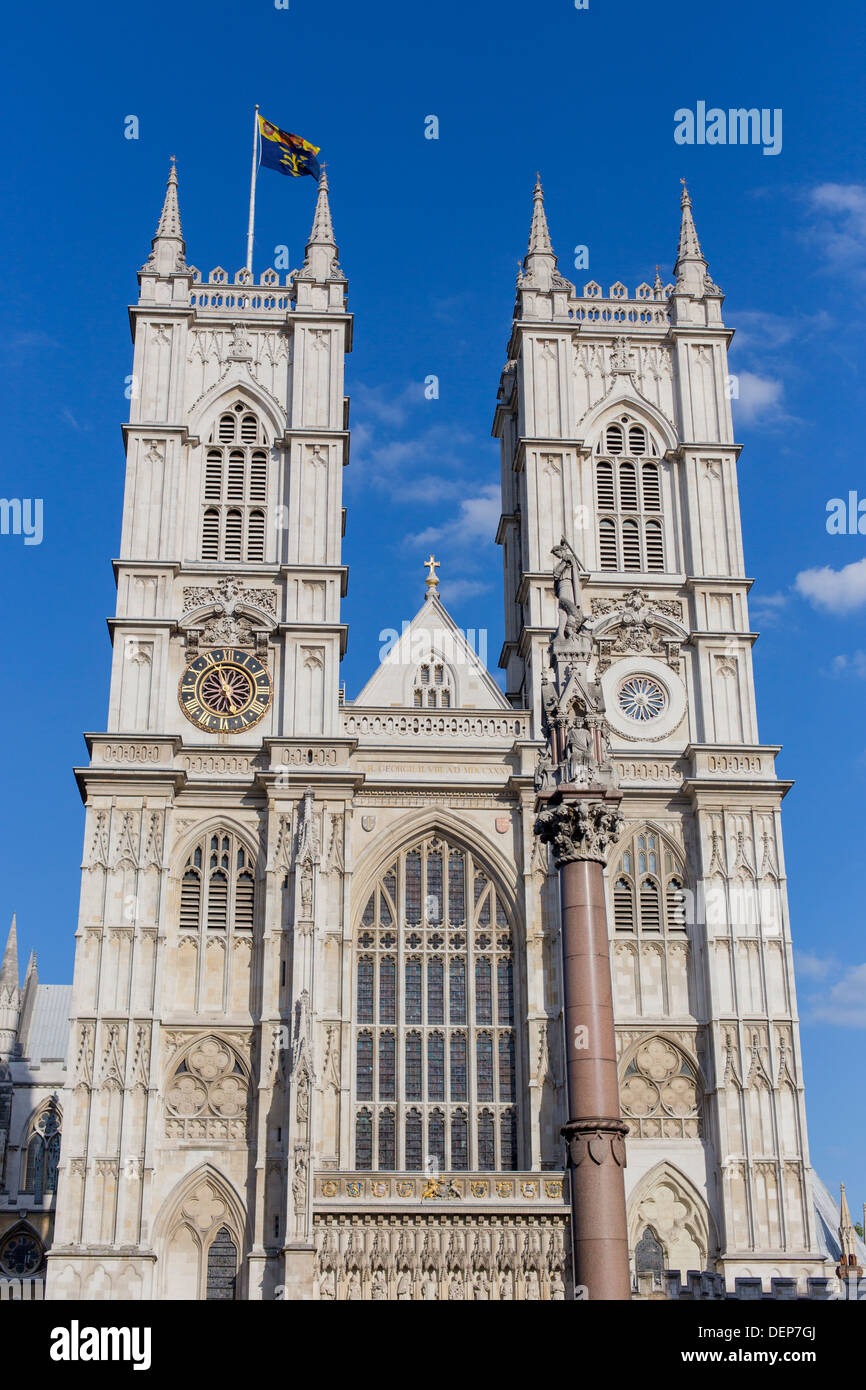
<point x="580" y="828"/>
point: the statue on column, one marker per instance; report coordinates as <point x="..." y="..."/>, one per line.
<point x="566" y="586"/>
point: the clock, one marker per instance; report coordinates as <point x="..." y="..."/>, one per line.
<point x="225" y="691"/>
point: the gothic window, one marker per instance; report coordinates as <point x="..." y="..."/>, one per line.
<point x="436" y="1055"/>
<point x="660" y="1092"/>
<point x="649" y="1255"/>
<point x="222" y="1265"/>
<point x="648" y="889"/>
<point x="207" y="1098"/>
<point x="628" y="499"/>
<point x="432" y="688"/>
<point x="235" y="488"/>
<point x="218" y="886"/>
<point x="21" y="1253"/>
<point x="43" y="1153"/>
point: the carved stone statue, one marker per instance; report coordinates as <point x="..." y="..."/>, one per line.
<point x="544" y="770"/>
<point x="566" y="586"/>
<point x="380" y="1287"/>
<point x="580" y="763"/>
<point x="404" y="1287"/>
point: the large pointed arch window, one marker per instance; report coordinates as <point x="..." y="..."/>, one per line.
<point x="43" y="1153"/>
<point x="628" y="498"/>
<point x="436" y="1051"/>
<point x="235" y="489"/>
<point x="218" y="886"/>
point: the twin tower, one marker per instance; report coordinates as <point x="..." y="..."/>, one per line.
<point x="318" y="1045"/>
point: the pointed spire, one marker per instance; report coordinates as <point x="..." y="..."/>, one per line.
<point x="690" y="247"/>
<point x="320" y="262"/>
<point x="847" y="1234"/>
<point x="9" y="968"/>
<point x="167" y="247"/>
<point x="539" y="234"/>
<point x="539" y="264"/>
<point x="658" y="287"/>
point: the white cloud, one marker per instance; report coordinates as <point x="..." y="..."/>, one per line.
<point x="759" y="399"/>
<point x="811" y="967"/>
<point x="835" y="591"/>
<point x="853" y="665"/>
<point x="844" y="1003"/>
<point x="476" y="521"/>
<point x="766" y="608"/>
<point x="840" y="224"/>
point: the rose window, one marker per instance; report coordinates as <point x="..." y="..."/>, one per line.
<point x="20" y="1255"/>
<point x="641" y="699"/>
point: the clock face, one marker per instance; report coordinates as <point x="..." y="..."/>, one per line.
<point x="225" y="691"/>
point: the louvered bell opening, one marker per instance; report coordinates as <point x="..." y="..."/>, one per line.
<point x="234" y="534"/>
<point x="249" y="429"/>
<point x="258" y="477"/>
<point x="210" y="541"/>
<point x="235" y="488"/>
<point x="623" y="906"/>
<point x="213" y="476"/>
<point x="256" y="536"/>
<point x="655" y="559"/>
<point x="650" y="908"/>
<point x="217" y="901"/>
<point x="675" y="903"/>
<point x="630" y="546"/>
<point x="226" y="431"/>
<point x="652" y="500"/>
<point x="244" y="902"/>
<point x="604" y="487"/>
<point x="636" y="441"/>
<point x="607" y="544"/>
<point x="614" y="439"/>
<point x="190" y="901"/>
<point x="628" y="487"/>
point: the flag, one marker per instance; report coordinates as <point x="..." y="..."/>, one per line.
<point x="287" y="153"/>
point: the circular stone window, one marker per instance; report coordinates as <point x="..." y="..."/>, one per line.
<point x="645" y="700"/>
<point x="642" y="699"/>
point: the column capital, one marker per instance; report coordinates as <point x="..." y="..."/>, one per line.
<point x="578" y="828"/>
<point x="596" y="1139"/>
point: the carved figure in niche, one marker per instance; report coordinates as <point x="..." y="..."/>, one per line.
<point x="557" y="1287"/>
<point x="533" y="1291"/>
<point x="482" y="1286"/>
<point x="299" y="1182"/>
<point x="353" y="1288"/>
<point x="404" y="1287"/>
<point x="580" y="764"/>
<point x="566" y="586"/>
<point x="303" y="1105"/>
<point x="506" y="1293"/>
<point x="544" y="769"/>
<point x="327" y="1288"/>
<point x="307" y="890"/>
<point x="380" y="1287"/>
<point x="455" y="1288"/>
<point x="430" y="1290"/>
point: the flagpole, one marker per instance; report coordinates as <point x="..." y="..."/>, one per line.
<point x="252" y="221"/>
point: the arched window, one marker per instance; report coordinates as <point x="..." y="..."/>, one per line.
<point x="207" y="1098"/>
<point x="43" y="1153"/>
<point x="648" y="888"/>
<point x="432" y="686"/>
<point x="660" y="1092"/>
<point x="235" y="481"/>
<point x="222" y="1266"/>
<point x="436" y="1056"/>
<point x="218" y="886"/>
<point x="628" y="499"/>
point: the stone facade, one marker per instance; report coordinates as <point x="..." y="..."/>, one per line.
<point x="317" y="1046"/>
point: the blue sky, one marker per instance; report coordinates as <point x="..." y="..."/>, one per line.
<point x="430" y="234"/>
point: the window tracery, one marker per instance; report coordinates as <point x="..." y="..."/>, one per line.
<point x="235" y="488"/>
<point x="208" y="1095"/>
<point x="43" y="1153"/>
<point x="218" y="886"/>
<point x="628" y="498"/>
<point x="436" y="1062"/>
<point x="432" y="687"/>
<point x="660" y="1093"/>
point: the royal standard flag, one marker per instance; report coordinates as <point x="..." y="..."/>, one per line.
<point x="288" y="154"/>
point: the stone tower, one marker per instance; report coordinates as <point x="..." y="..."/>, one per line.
<point x="616" y="435"/>
<point x="199" y="830"/>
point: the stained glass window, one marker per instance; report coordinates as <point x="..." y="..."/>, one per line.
<point x="365" y="990"/>
<point x="458" y="1067"/>
<point x="222" y="1264"/>
<point x="435" y="1017"/>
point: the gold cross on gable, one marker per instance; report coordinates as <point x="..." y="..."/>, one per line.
<point x="432" y="578"/>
